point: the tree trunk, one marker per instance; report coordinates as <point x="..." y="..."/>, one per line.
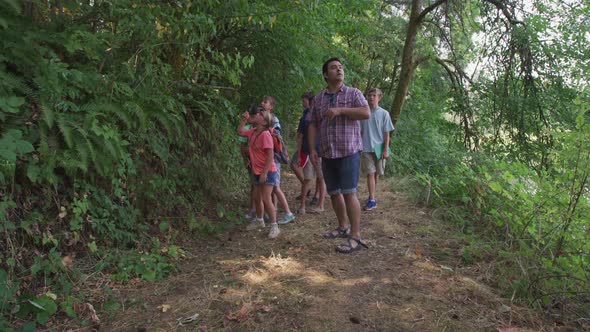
<point x="407" y="67"/>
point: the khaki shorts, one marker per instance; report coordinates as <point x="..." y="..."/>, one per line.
<point x="370" y="164"/>
<point x="310" y="171"/>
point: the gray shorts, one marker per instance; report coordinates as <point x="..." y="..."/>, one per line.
<point x="370" y="164"/>
<point x="311" y="172"/>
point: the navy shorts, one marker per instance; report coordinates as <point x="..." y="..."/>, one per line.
<point x="271" y="178"/>
<point x="341" y="174"/>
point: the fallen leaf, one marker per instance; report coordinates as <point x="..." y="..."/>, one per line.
<point x="164" y="307"/>
<point x="93" y="316"/>
<point x="418" y="251"/>
<point x="446" y="268"/>
<point x="241" y="315"/>
<point x="67" y="261"/>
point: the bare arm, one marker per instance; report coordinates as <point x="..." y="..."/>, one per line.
<point x="354" y="113"/>
<point x="311" y="135"/>
<point x="267" y="163"/>
<point x="385" y="154"/>
<point x="299" y="141"/>
<point x="241" y="130"/>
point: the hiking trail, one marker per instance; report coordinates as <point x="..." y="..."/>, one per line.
<point x="411" y="279"/>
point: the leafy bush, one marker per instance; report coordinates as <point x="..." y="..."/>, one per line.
<point x="535" y="220"/>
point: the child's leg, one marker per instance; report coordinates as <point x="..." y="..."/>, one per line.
<point x="274" y="199"/>
<point x="282" y="199"/>
<point x="266" y="200"/>
<point x="258" y="194"/>
<point x="304" y="187"/>
<point x="252" y="199"/>
<point x="297" y="170"/>
<point x="371" y="183"/>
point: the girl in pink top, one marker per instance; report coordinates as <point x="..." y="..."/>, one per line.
<point x="260" y="146"/>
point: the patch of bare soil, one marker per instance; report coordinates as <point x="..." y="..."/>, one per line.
<point x="410" y="279"/>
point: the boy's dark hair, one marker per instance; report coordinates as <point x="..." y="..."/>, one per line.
<point x="308" y="95"/>
<point x="325" y="66"/>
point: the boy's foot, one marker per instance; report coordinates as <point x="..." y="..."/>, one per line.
<point x="316" y="210"/>
<point x="274" y="231"/>
<point x="287" y="218"/>
<point x="301" y="211"/>
<point x="314" y="201"/>
<point x="255" y="224"/>
<point x="371" y="204"/>
<point x="251" y="215"/>
<point x="299" y="197"/>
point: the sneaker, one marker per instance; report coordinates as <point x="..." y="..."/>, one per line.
<point x="287" y="219"/>
<point x="255" y="224"/>
<point x="314" y="201"/>
<point x="371" y="204"/>
<point x="250" y="216"/>
<point x="274" y="231"/>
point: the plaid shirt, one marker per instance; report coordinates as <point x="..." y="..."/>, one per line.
<point x="341" y="136"/>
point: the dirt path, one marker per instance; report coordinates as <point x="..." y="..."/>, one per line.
<point x="409" y="280"/>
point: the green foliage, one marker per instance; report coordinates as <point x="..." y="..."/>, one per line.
<point x="111" y="117"/>
<point x="538" y="219"/>
<point x="150" y="266"/>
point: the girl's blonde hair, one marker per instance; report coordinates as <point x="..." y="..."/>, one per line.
<point x="269" y="118"/>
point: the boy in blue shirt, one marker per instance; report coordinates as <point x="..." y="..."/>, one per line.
<point x="375" y="132"/>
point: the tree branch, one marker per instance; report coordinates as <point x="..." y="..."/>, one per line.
<point x="501" y="6"/>
<point x="429" y="9"/>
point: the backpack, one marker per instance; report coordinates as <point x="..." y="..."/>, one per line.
<point x="279" y="147"/>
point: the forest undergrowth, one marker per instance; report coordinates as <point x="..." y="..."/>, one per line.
<point x="417" y="275"/>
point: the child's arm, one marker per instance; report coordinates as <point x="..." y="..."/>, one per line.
<point x="385" y="154"/>
<point x="299" y="141"/>
<point x="268" y="162"/>
<point x="245" y="154"/>
<point x="241" y="130"/>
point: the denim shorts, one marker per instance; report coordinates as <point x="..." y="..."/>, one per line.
<point x="341" y="174"/>
<point x="271" y="178"/>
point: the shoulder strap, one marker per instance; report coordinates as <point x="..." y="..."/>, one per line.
<point x="255" y="138"/>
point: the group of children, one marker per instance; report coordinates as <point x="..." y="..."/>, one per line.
<point x="256" y="130"/>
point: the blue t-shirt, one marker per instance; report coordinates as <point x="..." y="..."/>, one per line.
<point x="304" y="122"/>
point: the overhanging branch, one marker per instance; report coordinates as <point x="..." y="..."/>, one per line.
<point x="429" y="9"/>
<point x="502" y="6"/>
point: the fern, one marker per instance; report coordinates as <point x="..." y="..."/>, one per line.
<point x="48" y="115"/>
<point x="106" y="111"/>
<point x="66" y="130"/>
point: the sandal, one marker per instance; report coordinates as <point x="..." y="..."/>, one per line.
<point x="316" y="211"/>
<point x="338" y="232"/>
<point x="347" y="248"/>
